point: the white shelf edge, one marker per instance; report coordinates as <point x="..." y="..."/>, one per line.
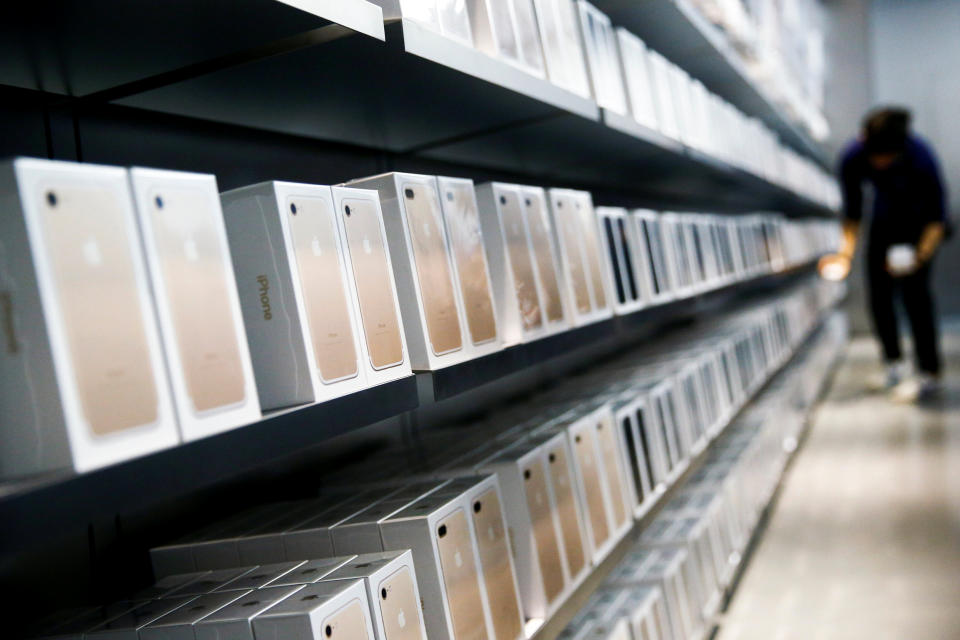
<point x="629" y="126"/>
<point x="420" y="41"/>
<point x="358" y="15"/>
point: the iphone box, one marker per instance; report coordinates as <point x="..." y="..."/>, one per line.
<point x="461" y="218"/>
<point x="636" y="72"/>
<point x="630" y="416"/>
<point x="391" y="585"/>
<point x="191" y="274"/>
<point x="338" y="610"/>
<point x="82" y="378"/>
<point x="515" y="284"/>
<point x="660" y="71"/>
<point x="542" y="520"/>
<point x="462" y="555"/>
<point x="430" y="292"/>
<point x="360" y="533"/>
<point x="235" y="621"/>
<point x="603" y="58"/>
<point x="644" y="610"/>
<point x="658" y="280"/>
<point x="495" y="30"/>
<point x="292" y="275"/>
<point x="180" y="624"/>
<point x="481" y="497"/>
<point x="562" y="47"/>
<point x="129" y="625"/>
<point x="599" y="475"/>
<point x="546" y="258"/>
<point x="448" y="17"/>
<point x="620" y="246"/>
<point x="528" y="37"/>
<point x="586" y="269"/>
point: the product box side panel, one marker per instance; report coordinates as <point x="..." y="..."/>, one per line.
<point x="267" y="298"/>
<point x="33" y="428"/>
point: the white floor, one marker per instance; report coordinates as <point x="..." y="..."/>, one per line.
<point x="864" y="542"/>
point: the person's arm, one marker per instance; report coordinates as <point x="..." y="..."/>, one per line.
<point x="851" y="231"/>
<point x="836" y="266"/>
<point x="934" y="204"/>
<point x="930" y="240"/>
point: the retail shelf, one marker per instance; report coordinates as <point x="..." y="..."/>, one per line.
<point x="36" y="510"/>
<point x="417" y="90"/>
<point x="422" y="96"/>
<point x="574" y="602"/>
<point x="680" y="32"/>
<point x="82" y="47"/>
<point x="459" y="378"/>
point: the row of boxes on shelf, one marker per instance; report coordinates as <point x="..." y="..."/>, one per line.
<point x="137" y="313"/>
<point x="671" y="584"/>
<point x="356" y="597"/>
<point x="572" y="476"/>
<point x="576" y="47"/>
<point x="493" y="532"/>
<point x="632" y="80"/>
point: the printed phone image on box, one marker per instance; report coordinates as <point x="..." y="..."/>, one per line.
<point x="188" y="256"/>
<point x="82" y="376"/>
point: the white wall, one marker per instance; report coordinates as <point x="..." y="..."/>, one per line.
<point x="915" y="52"/>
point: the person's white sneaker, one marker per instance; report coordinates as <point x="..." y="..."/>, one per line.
<point x="893" y="374"/>
<point x="916" y="388"/>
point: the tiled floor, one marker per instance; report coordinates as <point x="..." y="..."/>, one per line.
<point x="864" y="542"/>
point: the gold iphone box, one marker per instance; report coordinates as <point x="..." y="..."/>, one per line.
<point x="461" y="216"/>
<point x="191" y="273"/>
<point x="431" y="300"/>
<point x="516" y="285"/>
<point x="82" y="378"/>
<point x="391" y="584"/>
<point x="338" y="610"/>
<point x="461" y="551"/>
<point x="586" y="270"/>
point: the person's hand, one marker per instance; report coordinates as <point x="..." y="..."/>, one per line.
<point x="835" y="267"/>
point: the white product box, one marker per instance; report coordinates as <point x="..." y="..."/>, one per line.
<point x="642" y="461"/>
<point x="448" y="17"/>
<point x="677" y="254"/>
<point x="468" y="579"/>
<point x="262" y="576"/>
<point x="82" y="378"/>
<point x="312" y="571"/>
<point x="338" y="610"/>
<point x="665" y="568"/>
<point x="600" y="476"/>
<point x="585" y="270"/>
<point x="494" y="29"/>
<point x="361" y="227"/>
<point x="528" y="37"/>
<point x="543" y="520"/>
<point x="392" y="592"/>
<point x="603" y="58"/>
<point x="663" y="92"/>
<point x="128" y="625"/>
<point x="659" y="281"/>
<point x="620" y="244"/>
<point x="546" y="258"/>
<point x="180" y="624"/>
<point x="681" y="92"/>
<point x="645" y="611"/>
<point x="562" y="47"/>
<point x="235" y="621"/>
<point x="638" y="79"/>
<point x="360" y="533"/>
<point x="461" y="218"/>
<point x="294" y="289"/>
<point x="195" y="292"/>
<point x="430" y="300"/>
<point x="512" y="263"/>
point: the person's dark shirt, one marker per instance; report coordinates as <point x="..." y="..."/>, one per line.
<point x="908" y="195"/>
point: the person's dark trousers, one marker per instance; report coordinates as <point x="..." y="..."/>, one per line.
<point x="918" y="301"/>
